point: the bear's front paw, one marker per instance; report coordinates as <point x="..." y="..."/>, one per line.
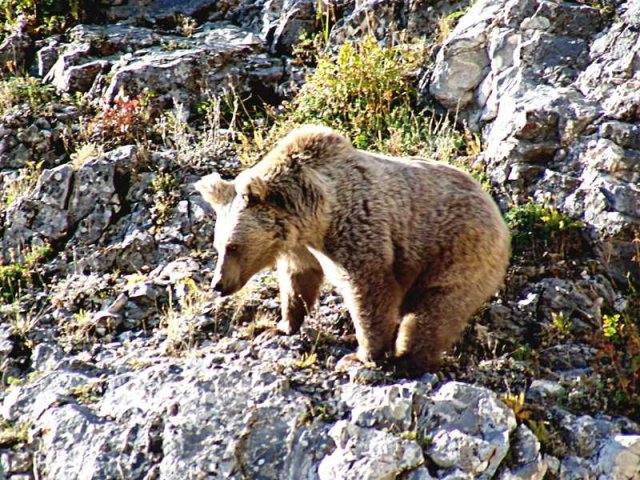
<point x="286" y="328"/>
<point x="409" y="367"/>
<point x="352" y="360"/>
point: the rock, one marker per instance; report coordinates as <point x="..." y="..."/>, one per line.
<point x="544" y="391"/>
<point x="620" y="457"/>
<point x="389" y="21"/>
<point x="15" y="47"/>
<point x="162" y="11"/>
<point x="67" y="202"/>
<point x="178" y="70"/>
<point x="285" y="21"/>
<point x="585" y="434"/>
<point x="23" y="148"/>
<point x="368" y="454"/>
<point x="469" y="428"/>
<point x="527" y="460"/>
<point x="527" y="75"/>
<point x="209" y="60"/>
<point x="6" y="342"/>
<point x="32" y="400"/>
<point x="394" y="407"/>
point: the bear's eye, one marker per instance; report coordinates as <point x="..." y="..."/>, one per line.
<point x="250" y="200"/>
<point x="232" y="248"/>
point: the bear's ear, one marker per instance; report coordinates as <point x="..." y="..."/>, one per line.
<point x="216" y="191"/>
<point x="253" y="190"/>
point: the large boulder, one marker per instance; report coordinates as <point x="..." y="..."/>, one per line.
<point x="555" y="94"/>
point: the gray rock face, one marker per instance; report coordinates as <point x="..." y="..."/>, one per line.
<point x="178" y="70"/>
<point x="556" y="105"/>
<point x="228" y="415"/>
<point x="208" y="60"/>
<point x="527" y="460"/>
<point x="379" y="455"/>
<point x="30" y="144"/>
<point x="469" y="429"/>
<point x="600" y="450"/>
<point x="15" y="47"/>
<point x="390" y="21"/>
<point x="67" y="202"/>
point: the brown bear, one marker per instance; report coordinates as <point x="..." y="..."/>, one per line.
<point x="414" y="246"/>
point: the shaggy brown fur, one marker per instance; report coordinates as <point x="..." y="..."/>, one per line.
<point x="414" y="246"/>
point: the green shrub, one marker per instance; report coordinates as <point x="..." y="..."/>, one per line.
<point x="13" y="278"/>
<point x="618" y="358"/>
<point x="16" y="276"/>
<point x="360" y="89"/>
<point x="367" y="91"/>
<point x="44" y="17"/>
<point x="537" y="229"/>
<point x="25" y="91"/>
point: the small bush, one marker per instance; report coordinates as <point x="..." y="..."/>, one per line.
<point x="537" y="229"/>
<point x="25" y="91"/>
<point x="44" y="17"/>
<point x="165" y="196"/>
<point x="16" y="276"/>
<point x="124" y="122"/>
<point x="22" y="185"/>
<point x="13" y="279"/>
<point x="618" y="358"/>
<point x="367" y="91"/>
<point x="363" y="91"/>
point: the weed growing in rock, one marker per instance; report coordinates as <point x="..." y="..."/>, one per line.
<point x="13" y="433"/>
<point x="13" y="278"/>
<point x="538" y="229"/>
<point x="194" y="146"/>
<point x="84" y="153"/>
<point x="26" y="92"/>
<point x="89" y="392"/>
<point x="23" y="322"/>
<point x="618" y="357"/>
<point x="178" y="316"/>
<point x="124" y="122"/>
<point x="165" y="196"/>
<point x="447" y="23"/>
<point x="19" y="274"/>
<point x="186" y="25"/>
<point x="22" y="185"/>
<point x="561" y="325"/>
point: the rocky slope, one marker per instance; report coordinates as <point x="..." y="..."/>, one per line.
<point x="118" y="361"/>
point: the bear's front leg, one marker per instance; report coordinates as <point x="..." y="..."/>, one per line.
<point x="300" y="277"/>
<point x="374" y="305"/>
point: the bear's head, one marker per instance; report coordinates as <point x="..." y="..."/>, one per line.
<point x="248" y="232"/>
<point x="282" y="203"/>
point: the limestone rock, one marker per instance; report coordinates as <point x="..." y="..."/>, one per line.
<point x="368" y="454"/>
<point x="469" y="428"/>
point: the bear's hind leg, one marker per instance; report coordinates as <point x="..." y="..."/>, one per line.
<point x="300" y="277"/>
<point x="431" y="324"/>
